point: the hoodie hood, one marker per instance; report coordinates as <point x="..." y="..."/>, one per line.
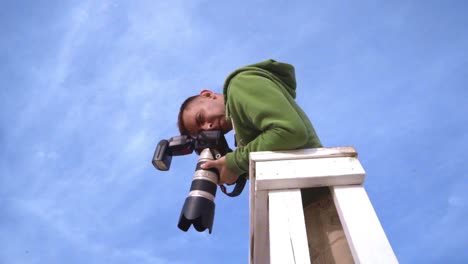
<point x="272" y="69"/>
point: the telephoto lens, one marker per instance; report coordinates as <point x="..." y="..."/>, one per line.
<point x="199" y="206"/>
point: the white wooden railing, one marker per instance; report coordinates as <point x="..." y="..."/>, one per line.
<point x="277" y="224"/>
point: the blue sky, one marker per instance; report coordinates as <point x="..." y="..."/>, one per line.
<point x="88" y="88"/>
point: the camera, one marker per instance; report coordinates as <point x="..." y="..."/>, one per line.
<point x="183" y="145"/>
<point x="199" y="206"/>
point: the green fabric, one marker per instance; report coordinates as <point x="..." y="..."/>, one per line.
<point x="259" y="100"/>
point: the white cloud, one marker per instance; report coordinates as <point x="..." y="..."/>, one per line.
<point x="46" y="155"/>
<point x="456" y="201"/>
<point x="75" y="35"/>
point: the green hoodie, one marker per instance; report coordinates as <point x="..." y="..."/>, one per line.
<point x="259" y="100"/>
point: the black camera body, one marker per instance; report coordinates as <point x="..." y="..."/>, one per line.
<point x="184" y="145"/>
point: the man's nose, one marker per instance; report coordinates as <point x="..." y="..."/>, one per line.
<point x="207" y="126"/>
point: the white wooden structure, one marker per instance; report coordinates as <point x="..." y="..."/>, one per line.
<point x="277" y="224"/>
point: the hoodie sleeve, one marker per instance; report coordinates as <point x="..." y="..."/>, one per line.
<point x="261" y="104"/>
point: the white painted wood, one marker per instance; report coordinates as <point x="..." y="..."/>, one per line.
<point x="259" y="223"/>
<point x="283" y="170"/>
<point x="288" y="236"/>
<point x="313" y="153"/>
<point x="365" y="235"/>
<point x="258" y="200"/>
<point x="307" y="173"/>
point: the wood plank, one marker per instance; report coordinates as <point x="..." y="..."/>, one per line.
<point x="307" y="173"/>
<point x="365" y="235"/>
<point x="259" y="223"/>
<point x="313" y="153"/>
<point x="288" y="236"/>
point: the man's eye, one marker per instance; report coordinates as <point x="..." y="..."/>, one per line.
<point x="199" y="119"/>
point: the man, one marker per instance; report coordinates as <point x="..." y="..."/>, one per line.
<point x="258" y="102"/>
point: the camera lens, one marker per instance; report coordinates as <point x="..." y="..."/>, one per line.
<point x="199" y="206"/>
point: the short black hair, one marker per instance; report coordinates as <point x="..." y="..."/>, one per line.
<point x="180" y="121"/>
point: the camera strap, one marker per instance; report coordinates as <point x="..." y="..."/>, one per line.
<point x="240" y="183"/>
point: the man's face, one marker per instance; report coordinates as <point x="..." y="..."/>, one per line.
<point x="206" y="113"/>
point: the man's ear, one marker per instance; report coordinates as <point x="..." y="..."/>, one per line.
<point x="207" y="94"/>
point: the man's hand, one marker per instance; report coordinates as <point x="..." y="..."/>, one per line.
<point x="226" y="176"/>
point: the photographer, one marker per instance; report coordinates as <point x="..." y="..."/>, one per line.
<point x="258" y="103"/>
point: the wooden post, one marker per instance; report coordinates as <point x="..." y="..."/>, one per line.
<point x="288" y="236"/>
<point x="277" y="225"/>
